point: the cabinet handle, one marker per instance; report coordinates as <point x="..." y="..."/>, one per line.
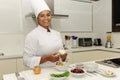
<point x="118" y="24"/>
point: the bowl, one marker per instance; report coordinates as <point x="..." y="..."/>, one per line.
<point x="63" y="67"/>
<point x="91" y="67"/>
<point x="77" y="72"/>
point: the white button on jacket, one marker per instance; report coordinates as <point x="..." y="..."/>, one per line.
<point x="38" y="43"/>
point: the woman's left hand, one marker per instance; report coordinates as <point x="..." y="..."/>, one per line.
<point x="63" y="56"/>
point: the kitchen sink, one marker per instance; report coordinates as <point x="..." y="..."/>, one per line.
<point x="115" y="62"/>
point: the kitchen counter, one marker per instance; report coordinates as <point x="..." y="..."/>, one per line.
<point x="45" y="74"/>
<point x="79" y="49"/>
<point x="73" y="50"/>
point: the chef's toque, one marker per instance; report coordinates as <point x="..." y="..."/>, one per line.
<point x="39" y="6"/>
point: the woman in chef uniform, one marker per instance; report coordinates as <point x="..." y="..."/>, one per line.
<point x="43" y="43"/>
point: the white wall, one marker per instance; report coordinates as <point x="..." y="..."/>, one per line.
<point x="102" y="21"/>
<point x="102" y="18"/>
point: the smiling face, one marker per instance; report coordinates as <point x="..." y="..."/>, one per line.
<point x="44" y="18"/>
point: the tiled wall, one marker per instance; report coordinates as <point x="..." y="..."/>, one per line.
<point x="116" y="40"/>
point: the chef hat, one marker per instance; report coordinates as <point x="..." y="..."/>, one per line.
<point x="39" y="6"/>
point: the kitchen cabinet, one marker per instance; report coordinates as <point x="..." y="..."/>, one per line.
<point x="7" y="66"/>
<point x="92" y="56"/>
<point x="115" y="16"/>
<point x="11" y="65"/>
<point x="10" y="16"/>
<point x="61" y="7"/>
<point x="20" y="65"/>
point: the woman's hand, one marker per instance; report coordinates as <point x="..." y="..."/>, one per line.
<point x="53" y="57"/>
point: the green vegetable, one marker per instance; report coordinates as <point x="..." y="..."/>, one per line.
<point x="65" y="74"/>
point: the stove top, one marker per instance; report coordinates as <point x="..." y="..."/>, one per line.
<point x="115" y="62"/>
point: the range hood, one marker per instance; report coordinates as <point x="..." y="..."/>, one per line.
<point x="50" y="3"/>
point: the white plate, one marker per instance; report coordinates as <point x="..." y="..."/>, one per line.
<point x="106" y="74"/>
<point x="60" y="78"/>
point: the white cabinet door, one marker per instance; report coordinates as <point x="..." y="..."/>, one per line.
<point x="10" y="16"/>
<point x="7" y="66"/>
<point x="61" y="7"/>
<point x="20" y="65"/>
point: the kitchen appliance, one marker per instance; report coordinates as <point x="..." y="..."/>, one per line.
<point x="67" y="42"/>
<point x="115" y="62"/>
<point x="85" y="42"/>
<point x="108" y="42"/>
<point x="74" y="42"/>
<point x="97" y="42"/>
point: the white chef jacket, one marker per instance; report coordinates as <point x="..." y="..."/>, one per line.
<point x="38" y="43"/>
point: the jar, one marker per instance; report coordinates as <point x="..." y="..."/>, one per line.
<point x="37" y="70"/>
<point x="74" y="42"/>
<point x="67" y="42"/>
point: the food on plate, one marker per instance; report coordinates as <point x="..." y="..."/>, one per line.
<point x="60" y="63"/>
<point x="65" y="74"/>
<point x="61" y="66"/>
<point x="37" y="70"/>
<point x="77" y="70"/>
<point x="62" y="51"/>
<point x="109" y="73"/>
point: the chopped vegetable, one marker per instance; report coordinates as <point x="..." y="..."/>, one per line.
<point x="65" y="74"/>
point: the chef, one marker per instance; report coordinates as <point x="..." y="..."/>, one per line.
<point x="43" y="43"/>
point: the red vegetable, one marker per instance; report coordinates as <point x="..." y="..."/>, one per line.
<point x="77" y="71"/>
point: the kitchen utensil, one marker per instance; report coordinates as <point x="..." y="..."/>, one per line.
<point x="108" y="42"/>
<point x="85" y="42"/>
<point x="97" y="42"/>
